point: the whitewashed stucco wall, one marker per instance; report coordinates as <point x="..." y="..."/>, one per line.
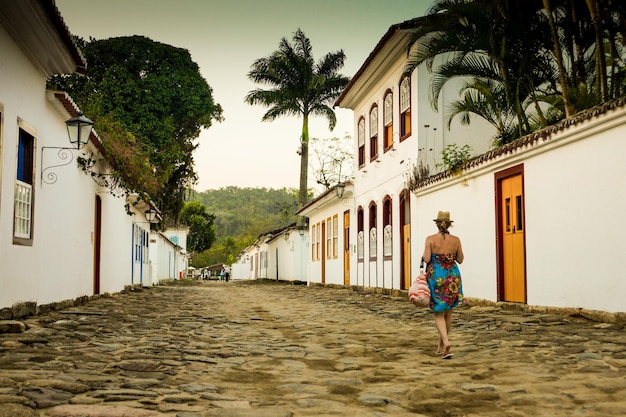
<point x="116" y="250"/>
<point x="328" y="207"/>
<point x="287" y="257"/>
<point x="163" y="258"/>
<point x="58" y="265"/>
<point x="471" y="206"/>
<point x="574" y="195"/>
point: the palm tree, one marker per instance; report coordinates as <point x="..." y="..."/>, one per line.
<point x="558" y="56"/>
<point x="485" y="99"/>
<point x="495" y="40"/>
<point x="569" y="109"/>
<point x="298" y="87"/>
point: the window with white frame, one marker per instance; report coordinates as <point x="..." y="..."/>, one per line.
<point x="335" y="236"/>
<point x="313" y="241"/>
<point x="374" y="133"/>
<point x="318" y="239"/>
<point x="373" y="243"/>
<point x="405" y="108"/>
<point x="361" y="138"/>
<point x="23" y="201"/>
<point x="373" y="234"/>
<point x="360" y="243"/>
<point x="387" y="241"/>
<point x="387" y="231"/>
<point x="329" y="237"/>
<point x="388" y="120"/>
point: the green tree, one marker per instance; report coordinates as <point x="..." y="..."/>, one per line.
<point x="491" y="40"/>
<point x="201" y="226"/>
<point x="155" y="94"/>
<point x="541" y="60"/>
<point x="298" y="87"/>
<point x="241" y="216"/>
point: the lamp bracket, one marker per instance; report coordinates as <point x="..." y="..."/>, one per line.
<point x="63" y="154"/>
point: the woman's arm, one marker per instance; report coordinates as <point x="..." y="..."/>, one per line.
<point x="459" y="253"/>
<point x="427" y="250"/>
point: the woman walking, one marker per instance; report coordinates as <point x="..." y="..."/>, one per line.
<point x="442" y="252"/>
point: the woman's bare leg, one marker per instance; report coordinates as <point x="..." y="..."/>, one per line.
<point x="448" y="315"/>
<point x="441" y="323"/>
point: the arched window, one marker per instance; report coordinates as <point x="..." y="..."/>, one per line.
<point x="360" y="246"/>
<point x="374" y="132"/>
<point x="361" y="137"/>
<point x="387" y="228"/>
<point x="405" y="108"/>
<point x="373" y="230"/>
<point x="388" y="120"/>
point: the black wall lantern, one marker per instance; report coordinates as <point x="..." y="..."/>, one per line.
<point x="78" y="132"/>
<point x="150" y="215"/>
<point x="339" y="189"/>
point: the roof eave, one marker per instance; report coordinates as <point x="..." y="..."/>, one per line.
<point x="40" y="32"/>
<point x="391" y="41"/>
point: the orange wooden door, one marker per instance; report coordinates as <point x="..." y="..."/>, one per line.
<point x="323" y="254"/>
<point x="97" y="245"/>
<point x="346" y="248"/>
<point x="406" y="256"/>
<point x="513" y="256"/>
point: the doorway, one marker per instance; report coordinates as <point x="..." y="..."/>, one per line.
<point x="97" y="245"/>
<point x="323" y="254"/>
<point x="511" y="231"/>
<point x="405" y="239"/>
<point x="346" y="247"/>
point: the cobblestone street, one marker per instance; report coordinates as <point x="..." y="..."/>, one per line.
<point x="259" y="348"/>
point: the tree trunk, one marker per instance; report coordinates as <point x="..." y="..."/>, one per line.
<point x="559" y="59"/>
<point x="304" y="162"/>
<point x="600" y="58"/>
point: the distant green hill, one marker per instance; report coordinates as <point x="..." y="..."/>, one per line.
<point x="241" y="215"/>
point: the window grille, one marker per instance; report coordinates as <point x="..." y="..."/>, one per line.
<point x="23" y="209"/>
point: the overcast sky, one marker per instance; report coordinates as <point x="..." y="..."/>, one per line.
<point x="224" y="38"/>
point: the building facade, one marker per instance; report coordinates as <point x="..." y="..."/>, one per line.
<point x="62" y="235"/>
<point x="529" y="213"/>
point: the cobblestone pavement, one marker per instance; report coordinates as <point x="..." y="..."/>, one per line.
<point x="265" y="349"/>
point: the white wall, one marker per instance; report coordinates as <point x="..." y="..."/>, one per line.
<point x="329" y="207"/>
<point x="287" y="256"/>
<point x="59" y="263"/>
<point x="573" y="196"/>
<point x="471" y="206"/>
<point x="165" y="258"/>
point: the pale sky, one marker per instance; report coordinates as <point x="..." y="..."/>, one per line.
<point x="224" y="38"/>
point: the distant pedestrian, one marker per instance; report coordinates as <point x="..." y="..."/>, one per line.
<point x="442" y="252"/>
<point x="226" y="272"/>
<point x="222" y="274"/>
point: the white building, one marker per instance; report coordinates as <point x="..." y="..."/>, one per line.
<point x="365" y="237"/>
<point x="62" y="236"/>
<point x="536" y="217"/>
<point x="278" y="255"/>
<point x="168" y="260"/>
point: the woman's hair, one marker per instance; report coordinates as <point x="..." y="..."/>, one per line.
<point x="443" y="225"/>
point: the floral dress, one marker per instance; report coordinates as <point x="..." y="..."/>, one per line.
<point x="444" y="280"/>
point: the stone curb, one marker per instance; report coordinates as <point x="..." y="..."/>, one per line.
<point x="593" y="315"/>
<point x="31" y="308"/>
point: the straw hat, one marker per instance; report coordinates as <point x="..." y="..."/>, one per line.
<point x="443" y="216"/>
